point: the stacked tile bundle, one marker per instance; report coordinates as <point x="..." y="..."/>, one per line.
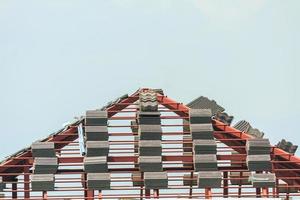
<point x="245" y="126"/>
<point x="45" y="166"/>
<point x="287" y="146"/>
<point x="258" y="159"/>
<point x="156" y="180"/>
<point x="204" y="149"/>
<point x="258" y="154"/>
<point x="224" y="117"/>
<point x="148" y="101"/>
<point x="263" y="180"/>
<point x="97" y="149"/>
<point x="150" y="148"/>
<point x="205" y="103"/>
<point x="217" y="110"/>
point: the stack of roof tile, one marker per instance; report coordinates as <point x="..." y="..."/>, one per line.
<point x="43" y="149"/>
<point x="148" y="101"/>
<point x="95" y="164"/>
<point x="202" y="131"/>
<point x="217" y="110"/>
<point x="204" y="148"/>
<point x="45" y="166"/>
<point x="97" y="149"/>
<point x="150" y="148"/>
<point x="258" y="154"/>
<point x="200" y="116"/>
<point x="224" y="117"/>
<point x="98" y="181"/>
<point x="242" y="125"/>
<point x="287" y="146"/>
<point x="149" y="118"/>
<point x="156" y="180"/>
<point x="150" y="163"/>
<point x="96" y="133"/>
<point x="205" y="103"/>
<point x="150" y="131"/>
<point x="96" y="118"/>
<point x="211" y="179"/>
<point x="263" y="180"/>
<point x="205" y="162"/>
<point x="42" y="182"/>
<point x="259" y="162"/>
<point x="258" y="159"/>
<point x="245" y="126"/>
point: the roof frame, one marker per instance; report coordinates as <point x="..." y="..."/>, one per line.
<point x="69" y="135"/>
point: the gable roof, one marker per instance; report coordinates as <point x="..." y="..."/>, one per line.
<point x="285" y="164"/>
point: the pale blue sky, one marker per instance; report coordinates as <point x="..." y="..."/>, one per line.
<point x="59" y="58"/>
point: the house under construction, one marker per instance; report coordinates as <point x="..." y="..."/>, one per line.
<point x="147" y="145"/>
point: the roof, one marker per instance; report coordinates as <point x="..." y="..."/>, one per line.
<point x="285" y="165"/>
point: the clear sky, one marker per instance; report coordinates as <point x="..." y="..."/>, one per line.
<point x="59" y="58"/>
